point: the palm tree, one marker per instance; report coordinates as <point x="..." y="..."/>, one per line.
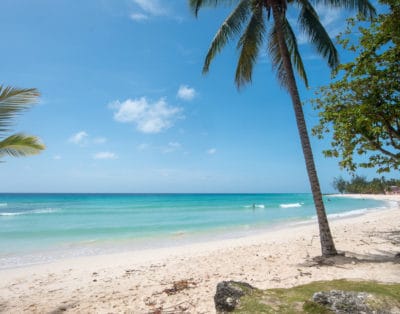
<point x="249" y="21"/>
<point x="12" y="102"/>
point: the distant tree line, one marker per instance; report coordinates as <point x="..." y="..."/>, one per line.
<point x="359" y="184"/>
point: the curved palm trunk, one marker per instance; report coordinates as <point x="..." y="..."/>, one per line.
<point x="327" y="245"/>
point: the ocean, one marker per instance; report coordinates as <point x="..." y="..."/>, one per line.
<point x="37" y="228"/>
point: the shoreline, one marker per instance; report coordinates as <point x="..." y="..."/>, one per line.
<point x="135" y="280"/>
<point x="172" y="241"/>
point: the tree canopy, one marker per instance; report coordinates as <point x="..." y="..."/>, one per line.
<point x="361" y="108"/>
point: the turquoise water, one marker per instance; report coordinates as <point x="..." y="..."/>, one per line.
<point x="40" y="227"/>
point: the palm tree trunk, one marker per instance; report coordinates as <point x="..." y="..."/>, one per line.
<point x="327" y="244"/>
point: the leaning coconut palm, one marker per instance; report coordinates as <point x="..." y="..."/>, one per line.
<point x="263" y="22"/>
<point x="12" y="102"/>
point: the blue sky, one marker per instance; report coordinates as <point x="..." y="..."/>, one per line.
<point x="125" y="108"/>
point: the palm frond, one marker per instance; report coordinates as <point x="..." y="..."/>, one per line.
<point x="294" y="52"/>
<point x="274" y="52"/>
<point x="13" y="101"/>
<point x="363" y="7"/>
<point x="229" y="28"/>
<point x="311" y="25"/>
<point x="250" y="43"/>
<point x="196" y="5"/>
<point x="19" y="145"/>
<point x="276" y="57"/>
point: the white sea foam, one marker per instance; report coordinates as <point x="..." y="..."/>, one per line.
<point x="351" y="213"/>
<point x="355" y="212"/>
<point x="31" y="212"/>
<point x="10" y="214"/>
<point x="393" y="204"/>
<point x="292" y="205"/>
<point x="3" y="204"/>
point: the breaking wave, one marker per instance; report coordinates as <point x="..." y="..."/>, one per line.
<point x="292" y="205"/>
<point x="31" y="212"/>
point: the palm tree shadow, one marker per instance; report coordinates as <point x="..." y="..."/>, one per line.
<point x="348" y="257"/>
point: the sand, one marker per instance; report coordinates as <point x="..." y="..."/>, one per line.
<point x="143" y="281"/>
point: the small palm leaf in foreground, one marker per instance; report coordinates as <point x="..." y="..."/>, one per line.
<point x="19" y="145"/>
<point x="13" y="101"/>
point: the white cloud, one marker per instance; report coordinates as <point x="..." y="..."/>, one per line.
<point x="79" y="138"/>
<point x="139" y="17"/>
<point x="56" y="157"/>
<point x="105" y="155"/>
<point x="211" y="151"/>
<point x="186" y="93"/>
<point x="153" y="7"/>
<point x="148" y="117"/>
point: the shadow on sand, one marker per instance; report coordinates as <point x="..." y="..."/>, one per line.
<point x="348" y="257"/>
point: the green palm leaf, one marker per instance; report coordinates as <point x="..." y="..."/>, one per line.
<point x="229" y="28"/>
<point x="250" y="43"/>
<point x="19" y="145"/>
<point x="311" y="25"/>
<point x="276" y="57"/>
<point x="12" y="102"/>
<point x="291" y="43"/>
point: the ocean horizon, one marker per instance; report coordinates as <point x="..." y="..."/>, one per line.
<point x="42" y="227"/>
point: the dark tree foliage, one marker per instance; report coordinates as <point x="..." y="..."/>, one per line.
<point x="361" y="108"/>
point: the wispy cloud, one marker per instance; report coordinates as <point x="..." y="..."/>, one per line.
<point x="82" y="138"/>
<point x="153" y="7"/>
<point x="186" y="93"/>
<point x="105" y="155"/>
<point x="331" y="18"/>
<point x="139" y="17"/>
<point x="99" y="140"/>
<point x="56" y="157"/>
<point x="211" y="151"/>
<point x="148" y="117"/>
<point x="78" y="138"/>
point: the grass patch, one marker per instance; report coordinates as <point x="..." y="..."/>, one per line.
<point x="298" y="299"/>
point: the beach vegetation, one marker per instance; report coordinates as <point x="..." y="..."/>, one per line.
<point x="260" y="24"/>
<point x="360" y="185"/>
<point x="361" y="107"/>
<point x="14" y="101"/>
<point x="299" y="299"/>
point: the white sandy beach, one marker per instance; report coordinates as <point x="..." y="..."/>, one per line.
<point x="138" y="281"/>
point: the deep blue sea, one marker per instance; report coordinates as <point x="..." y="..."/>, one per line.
<point x="36" y="228"/>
